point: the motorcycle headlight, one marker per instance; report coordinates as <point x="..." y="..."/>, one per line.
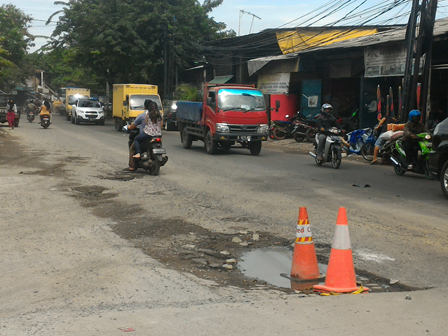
<point x="263" y="128"/>
<point x="222" y="128"/>
<point x="427" y="137"/>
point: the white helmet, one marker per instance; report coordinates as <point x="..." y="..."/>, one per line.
<point x="326" y="107"/>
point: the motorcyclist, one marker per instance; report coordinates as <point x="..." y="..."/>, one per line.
<point x="324" y="123"/>
<point x="31" y="107"/>
<point x="410" y="138"/>
<point x="139" y="122"/>
<point x="45" y="110"/>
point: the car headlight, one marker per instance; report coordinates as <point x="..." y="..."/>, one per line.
<point x="222" y="128"/>
<point x="263" y="128"/>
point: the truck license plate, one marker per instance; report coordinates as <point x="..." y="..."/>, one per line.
<point x="244" y="138"/>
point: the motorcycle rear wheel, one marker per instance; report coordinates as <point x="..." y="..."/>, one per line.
<point x="311" y="135"/>
<point x="397" y="168"/>
<point x="367" y="151"/>
<point x="299" y="137"/>
<point x="279" y="133"/>
<point x="155" y="169"/>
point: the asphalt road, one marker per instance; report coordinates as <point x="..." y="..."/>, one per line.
<point x="91" y="249"/>
<point x="398" y="225"/>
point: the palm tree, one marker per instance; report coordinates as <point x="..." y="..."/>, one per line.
<point x="63" y="3"/>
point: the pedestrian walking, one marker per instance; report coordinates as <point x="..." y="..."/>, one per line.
<point x="11" y="114"/>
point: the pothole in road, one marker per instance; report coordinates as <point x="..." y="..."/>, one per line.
<point x="246" y="259"/>
<point x="122" y="176"/>
<point x="273" y="265"/>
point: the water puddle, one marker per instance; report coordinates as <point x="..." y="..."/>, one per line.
<point x="273" y="265"/>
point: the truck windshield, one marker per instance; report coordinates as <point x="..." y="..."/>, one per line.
<point x="137" y="101"/>
<point x="240" y="99"/>
<point x="3" y="101"/>
<point x="72" y="99"/>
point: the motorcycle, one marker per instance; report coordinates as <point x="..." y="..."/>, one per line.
<point x="31" y="115"/>
<point x="45" y="121"/>
<point x="332" y="148"/>
<point x="282" y="129"/>
<point x="357" y="140"/>
<point x="398" y="157"/>
<point x="385" y="151"/>
<point x="151" y="158"/>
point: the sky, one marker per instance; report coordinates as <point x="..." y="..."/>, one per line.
<point x="272" y="14"/>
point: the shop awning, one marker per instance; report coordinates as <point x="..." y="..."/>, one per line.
<point x="221" y="79"/>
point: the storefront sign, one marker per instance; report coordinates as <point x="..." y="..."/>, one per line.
<point x="277" y="83"/>
<point x="385" y="61"/>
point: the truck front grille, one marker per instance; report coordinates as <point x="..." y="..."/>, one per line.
<point x="243" y="128"/>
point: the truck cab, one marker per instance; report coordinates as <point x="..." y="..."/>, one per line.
<point x="231" y="114"/>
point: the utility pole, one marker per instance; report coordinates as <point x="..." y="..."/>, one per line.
<point x="426" y="82"/>
<point x="410" y="37"/>
<point x="427" y="10"/>
<point x="242" y="11"/>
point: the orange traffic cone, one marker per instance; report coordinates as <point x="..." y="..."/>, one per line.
<point x="304" y="260"/>
<point x="341" y="276"/>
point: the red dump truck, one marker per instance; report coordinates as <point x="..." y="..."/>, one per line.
<point x="230" y="116"/>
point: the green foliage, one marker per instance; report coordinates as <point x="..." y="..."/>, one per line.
<point x="61" y="69"/>
<point x="188" y="92"/>
<point x="125" y="40"/>
<point x="14" y="42"/>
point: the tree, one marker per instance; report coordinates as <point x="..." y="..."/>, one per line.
<point x="14" y="42"/>
<point x="125" y="40"/>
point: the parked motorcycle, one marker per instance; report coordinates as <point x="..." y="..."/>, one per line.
<point x="282" y="129"/>
<point x="358" y="138"/>
<point x="45" y="121"/>
<point x="152" y="156"/>
<point x="332" y="149"/>
<point x="398" y="157"/>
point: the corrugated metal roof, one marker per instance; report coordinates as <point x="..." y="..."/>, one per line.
<point x="389" y="36"/>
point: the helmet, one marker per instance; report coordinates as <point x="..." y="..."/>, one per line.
<point x="415" y="116"/>
<point x="326" y="107"/>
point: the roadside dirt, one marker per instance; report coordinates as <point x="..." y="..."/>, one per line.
<point x="175" y="242"/>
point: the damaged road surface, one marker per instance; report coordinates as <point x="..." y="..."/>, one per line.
<point x="90" y="248"/>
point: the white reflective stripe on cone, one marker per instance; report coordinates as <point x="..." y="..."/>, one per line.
<point x="341" y="238"/>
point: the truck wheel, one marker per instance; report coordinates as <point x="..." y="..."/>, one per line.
<point x="255" y="148"/>
<point x="211" y="146"/>
<point x="186" y="138"/>
<point x="444" y="179"/>
<point x="118" y="125"/>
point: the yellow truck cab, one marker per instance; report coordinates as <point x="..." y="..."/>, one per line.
<point x="71" y="96"/>
<point x="128" y="100"/>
